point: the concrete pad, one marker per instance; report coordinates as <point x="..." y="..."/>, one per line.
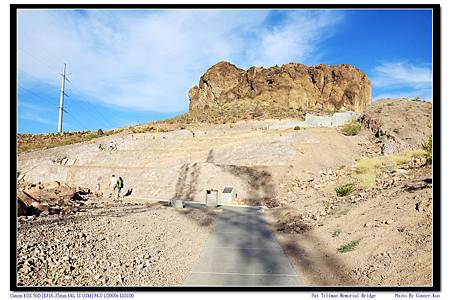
<point x="242" y="251"/>
<point x="208" y="279"/>
<point x="230" y="239"/>
<point x="244" y="261"/>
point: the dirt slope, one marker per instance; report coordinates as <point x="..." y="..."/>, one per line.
<point x="295" y="173"/>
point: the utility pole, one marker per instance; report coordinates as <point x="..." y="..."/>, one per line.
<point x="61" y="100"/>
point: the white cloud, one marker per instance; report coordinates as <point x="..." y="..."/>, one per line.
<point x="402" y="74"/>
<point x="425" y="94"/>
<point x="402" y="79"/>
<point x="35" y="113"/>
<point x="297" y="38"/>
<point x="149" y="60"/>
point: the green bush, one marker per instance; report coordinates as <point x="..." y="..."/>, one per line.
<point x="344" y="190"/>
<point x="348" y="247"/>
<point x="352" y="128"/>
<point x="428" y="147"/>
<point x="336" y="232"/>
<point x="297" y="128"/>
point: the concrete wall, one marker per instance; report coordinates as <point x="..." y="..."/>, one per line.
<point x="337" y="119"/>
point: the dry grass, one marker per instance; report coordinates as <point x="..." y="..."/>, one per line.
<point x="237" y="110"/>
<point x="427" y="146"/>
<point x="368" y="169"/>
<point x="405" y="157"/>
<point x="31" y="142"/>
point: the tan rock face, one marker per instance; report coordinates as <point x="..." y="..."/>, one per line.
<point x="294" y="86"/>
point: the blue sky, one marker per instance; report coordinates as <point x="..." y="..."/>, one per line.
<point x="130" y="67"/>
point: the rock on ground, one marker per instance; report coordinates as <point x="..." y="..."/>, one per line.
<point x="132" y="245"/>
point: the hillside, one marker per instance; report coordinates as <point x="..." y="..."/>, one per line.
<point x="382" y="218"/>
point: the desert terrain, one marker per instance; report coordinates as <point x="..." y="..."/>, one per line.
<point x="349" y="205"/>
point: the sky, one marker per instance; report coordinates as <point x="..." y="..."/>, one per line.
<point x="129" y="67"/>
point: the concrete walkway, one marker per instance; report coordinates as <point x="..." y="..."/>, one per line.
<point x="242" y="251"/>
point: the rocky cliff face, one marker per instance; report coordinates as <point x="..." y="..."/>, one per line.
<point x="291" y="86"/>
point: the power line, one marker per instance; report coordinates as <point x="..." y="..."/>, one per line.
<point x="36" y="95"/>
<point x="71" y="115"/>
<point x="54" y="57"/>
<point x="97" y="112"/>
<point x="67" y="111"/>
<point x="37" y="59"/>
<point x="77" y="120"/>
<point x="62" y="93"/>
<point x="95" y="109"/>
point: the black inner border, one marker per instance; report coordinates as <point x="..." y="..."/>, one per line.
<point x="436" y="9"/>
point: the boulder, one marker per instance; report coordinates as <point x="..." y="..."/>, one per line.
<point x="21" y="208"/>
<point x="54" y="193"/>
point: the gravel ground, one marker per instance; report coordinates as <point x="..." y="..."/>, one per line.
<point x="120" y="245"/>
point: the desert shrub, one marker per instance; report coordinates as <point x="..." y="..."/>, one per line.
<point x="352" y="128"/>
<point x="344" y="190"/>
<point x="297" y="128"/>
<point x="336" y="232"/>
<point x="348" y="247"/>
<point x="134" y="130"/>
<point x="88" y="137"/>
<point x="100" y="132"/>
<point x="427" y="146"/>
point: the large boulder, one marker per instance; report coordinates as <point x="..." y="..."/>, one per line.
<point x="53" y="193"/>
<point x="292" y="86"/>
<point x="49" y="198"/>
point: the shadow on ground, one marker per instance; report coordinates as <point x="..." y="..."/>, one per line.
<point x="313" y="265"/>
<point x="185" y="189"/>
<point x="117" y="210"/>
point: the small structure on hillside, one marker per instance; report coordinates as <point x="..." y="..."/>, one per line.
<point x="228" y="195"/>
<point x="176" y="203"/>
<point x="212" y="198"/>
<point x="334" y="120"/>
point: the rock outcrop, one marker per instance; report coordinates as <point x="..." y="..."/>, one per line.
<point x="292" y="86"/>
<point x="49" y="198"/>
<point x="399" y="124"/>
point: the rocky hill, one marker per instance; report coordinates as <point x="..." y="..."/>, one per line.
<point x="348" y="209"/>
<point x="295" y="88"/>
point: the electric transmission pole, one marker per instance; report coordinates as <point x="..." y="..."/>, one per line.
<point x="61" y="100"/>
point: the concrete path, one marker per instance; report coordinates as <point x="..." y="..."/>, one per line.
<point x="242" y="251"/>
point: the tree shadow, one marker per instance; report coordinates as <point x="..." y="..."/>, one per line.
<point x="259" y="181"/>
<point x="322" y="267"/>
<point x="256" y="247"/>
<point x="186" y="185"/>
